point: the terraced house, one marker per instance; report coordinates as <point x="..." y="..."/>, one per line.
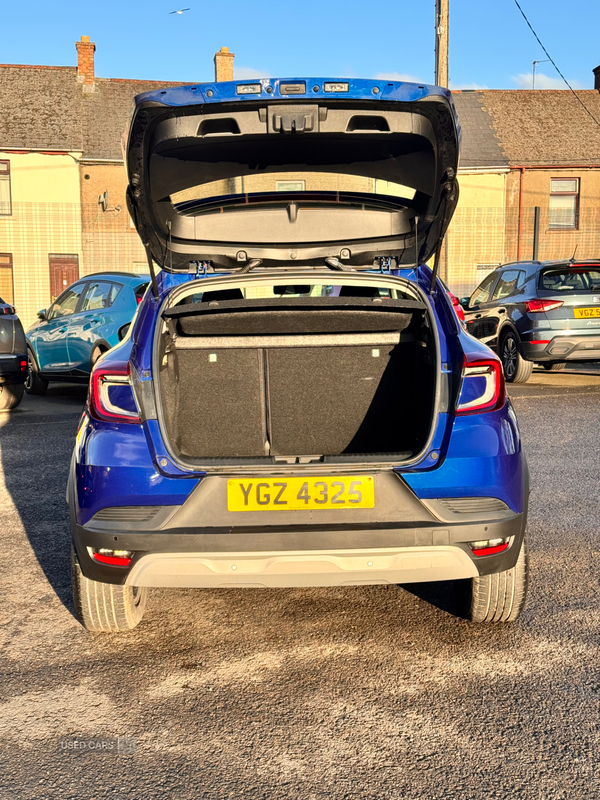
<point x="62" y="182"/>
<point x="528" y="149"/>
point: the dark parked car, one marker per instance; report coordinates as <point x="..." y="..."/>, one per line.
<point x="13" y="357"/>
<point x="88" y="318"/>
<point x="543" y="312"/>
<point x="297" y="403"/>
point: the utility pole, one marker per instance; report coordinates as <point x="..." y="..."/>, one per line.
<point x="442" y="15"/>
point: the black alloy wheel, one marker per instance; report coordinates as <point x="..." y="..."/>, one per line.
<point x="516" y="368"/>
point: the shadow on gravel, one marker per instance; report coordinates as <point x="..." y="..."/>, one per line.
<point x="36" y="442"/>
<point x="447" y="596"/>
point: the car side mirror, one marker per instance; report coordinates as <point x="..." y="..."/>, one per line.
<point x="124" y="330"/>
<point x="42" y="314"/>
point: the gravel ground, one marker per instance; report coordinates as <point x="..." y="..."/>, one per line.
<point x="370" y="692"/>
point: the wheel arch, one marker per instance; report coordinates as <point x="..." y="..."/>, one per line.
<point x="508" y="327"/>
<point x="98" y="344"/>
<point x="31" y="347"/>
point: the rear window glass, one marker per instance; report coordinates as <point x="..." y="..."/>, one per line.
<point x="140" y="291"/>
<point x="571" y="279"/>
<point x="292" y="290"/>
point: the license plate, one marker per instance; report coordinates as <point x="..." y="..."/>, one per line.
<point x="582" y="313"/>
<point x="292" y="494"/>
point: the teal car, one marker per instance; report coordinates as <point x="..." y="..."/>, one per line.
<point x="85" y="321"/>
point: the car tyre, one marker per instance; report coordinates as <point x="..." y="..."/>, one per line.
<point x="97" y="352"/>
<point x="105" y="607"/>
<point x="499" y="597"/>
<point x="34" y="384"/>
<point x="556" y="367"/>
<point x="11" y="395"/>
<point x="516" y="368"/>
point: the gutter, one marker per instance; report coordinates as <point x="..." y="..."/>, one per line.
<point x="89" y="162"/>
<point x="42" y="151"/>
<point x="483" y="170"/>
<point x="76" y="155"/>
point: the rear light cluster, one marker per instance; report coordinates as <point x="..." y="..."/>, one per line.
<point x="482" y="388"/>
<point x="111" y="397"/>
<point x="457" y="306"/>
<point x="538" y="306"/>
<point x="23" y="365"/>
<point x="489" y="547"/>
<point x="8" y="310"/>
<point x="113" y="558"/>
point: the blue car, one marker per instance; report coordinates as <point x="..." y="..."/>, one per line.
<point x="88" y="318"/>
<point x="296" y="403"/>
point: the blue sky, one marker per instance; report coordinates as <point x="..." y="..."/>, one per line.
<point x="490" y="45"/>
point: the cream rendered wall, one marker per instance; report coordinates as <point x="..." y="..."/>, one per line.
<point x="46" y="218"/>
<point x="477" y="233"/>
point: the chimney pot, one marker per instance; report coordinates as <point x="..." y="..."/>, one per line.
<point x="597" y="78"/>
<point x="224" y="65"/>
<point x="85" y="63"/>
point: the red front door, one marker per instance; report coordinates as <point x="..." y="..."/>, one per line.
<point x="64" y="270"/>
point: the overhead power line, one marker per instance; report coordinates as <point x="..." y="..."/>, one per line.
<point x="553" y="62"/>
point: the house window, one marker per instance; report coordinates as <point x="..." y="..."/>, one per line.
<point x="7" y="293"/>
<point x="5" y="201"/>
<point x="290" y="186"/>
<point x="563" y="210"/>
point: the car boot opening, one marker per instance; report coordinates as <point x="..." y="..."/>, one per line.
<point x="339" y="377"/>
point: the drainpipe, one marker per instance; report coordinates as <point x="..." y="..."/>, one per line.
<point x="520" y="212"/>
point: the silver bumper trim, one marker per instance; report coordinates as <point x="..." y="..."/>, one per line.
<point x="302" y="568"/>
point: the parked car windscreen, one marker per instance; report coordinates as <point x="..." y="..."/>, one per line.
<point x="67" y="302"/>
<point x="483" y="291"/>
<point x="570" y="279"/>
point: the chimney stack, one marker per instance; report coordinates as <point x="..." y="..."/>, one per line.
<point x="85" y="63"/>
<point x="597" y="78"/>
<point x="224" y="65"/>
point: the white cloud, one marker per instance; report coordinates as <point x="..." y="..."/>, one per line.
<point x="397" y="76"/>
<point x="542" y="81"/>
<point x="457" y="86"/>
<point x="249" y="73"/>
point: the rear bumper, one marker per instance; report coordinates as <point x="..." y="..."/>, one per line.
<point x="10" y="368"/>
<point x="305" y="555"/>
<point x="564" y="348"/>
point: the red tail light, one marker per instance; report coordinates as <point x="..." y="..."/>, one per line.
<point x="457" y="306"/>
<point x="8" y="310"/>
<point x="537" y="306"/>
<point x="114" y="558"/>
<point x="482" y="388"/>
<point x="489" y="547"/>
<point x="103" y="378"/>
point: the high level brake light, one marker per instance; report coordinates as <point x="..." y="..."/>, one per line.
<point x="482" y="388"/>
<point x="108" y="385"/>
<point x="538" y="306"/>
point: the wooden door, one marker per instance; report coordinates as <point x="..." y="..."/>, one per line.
<point x="64" y="270"/>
